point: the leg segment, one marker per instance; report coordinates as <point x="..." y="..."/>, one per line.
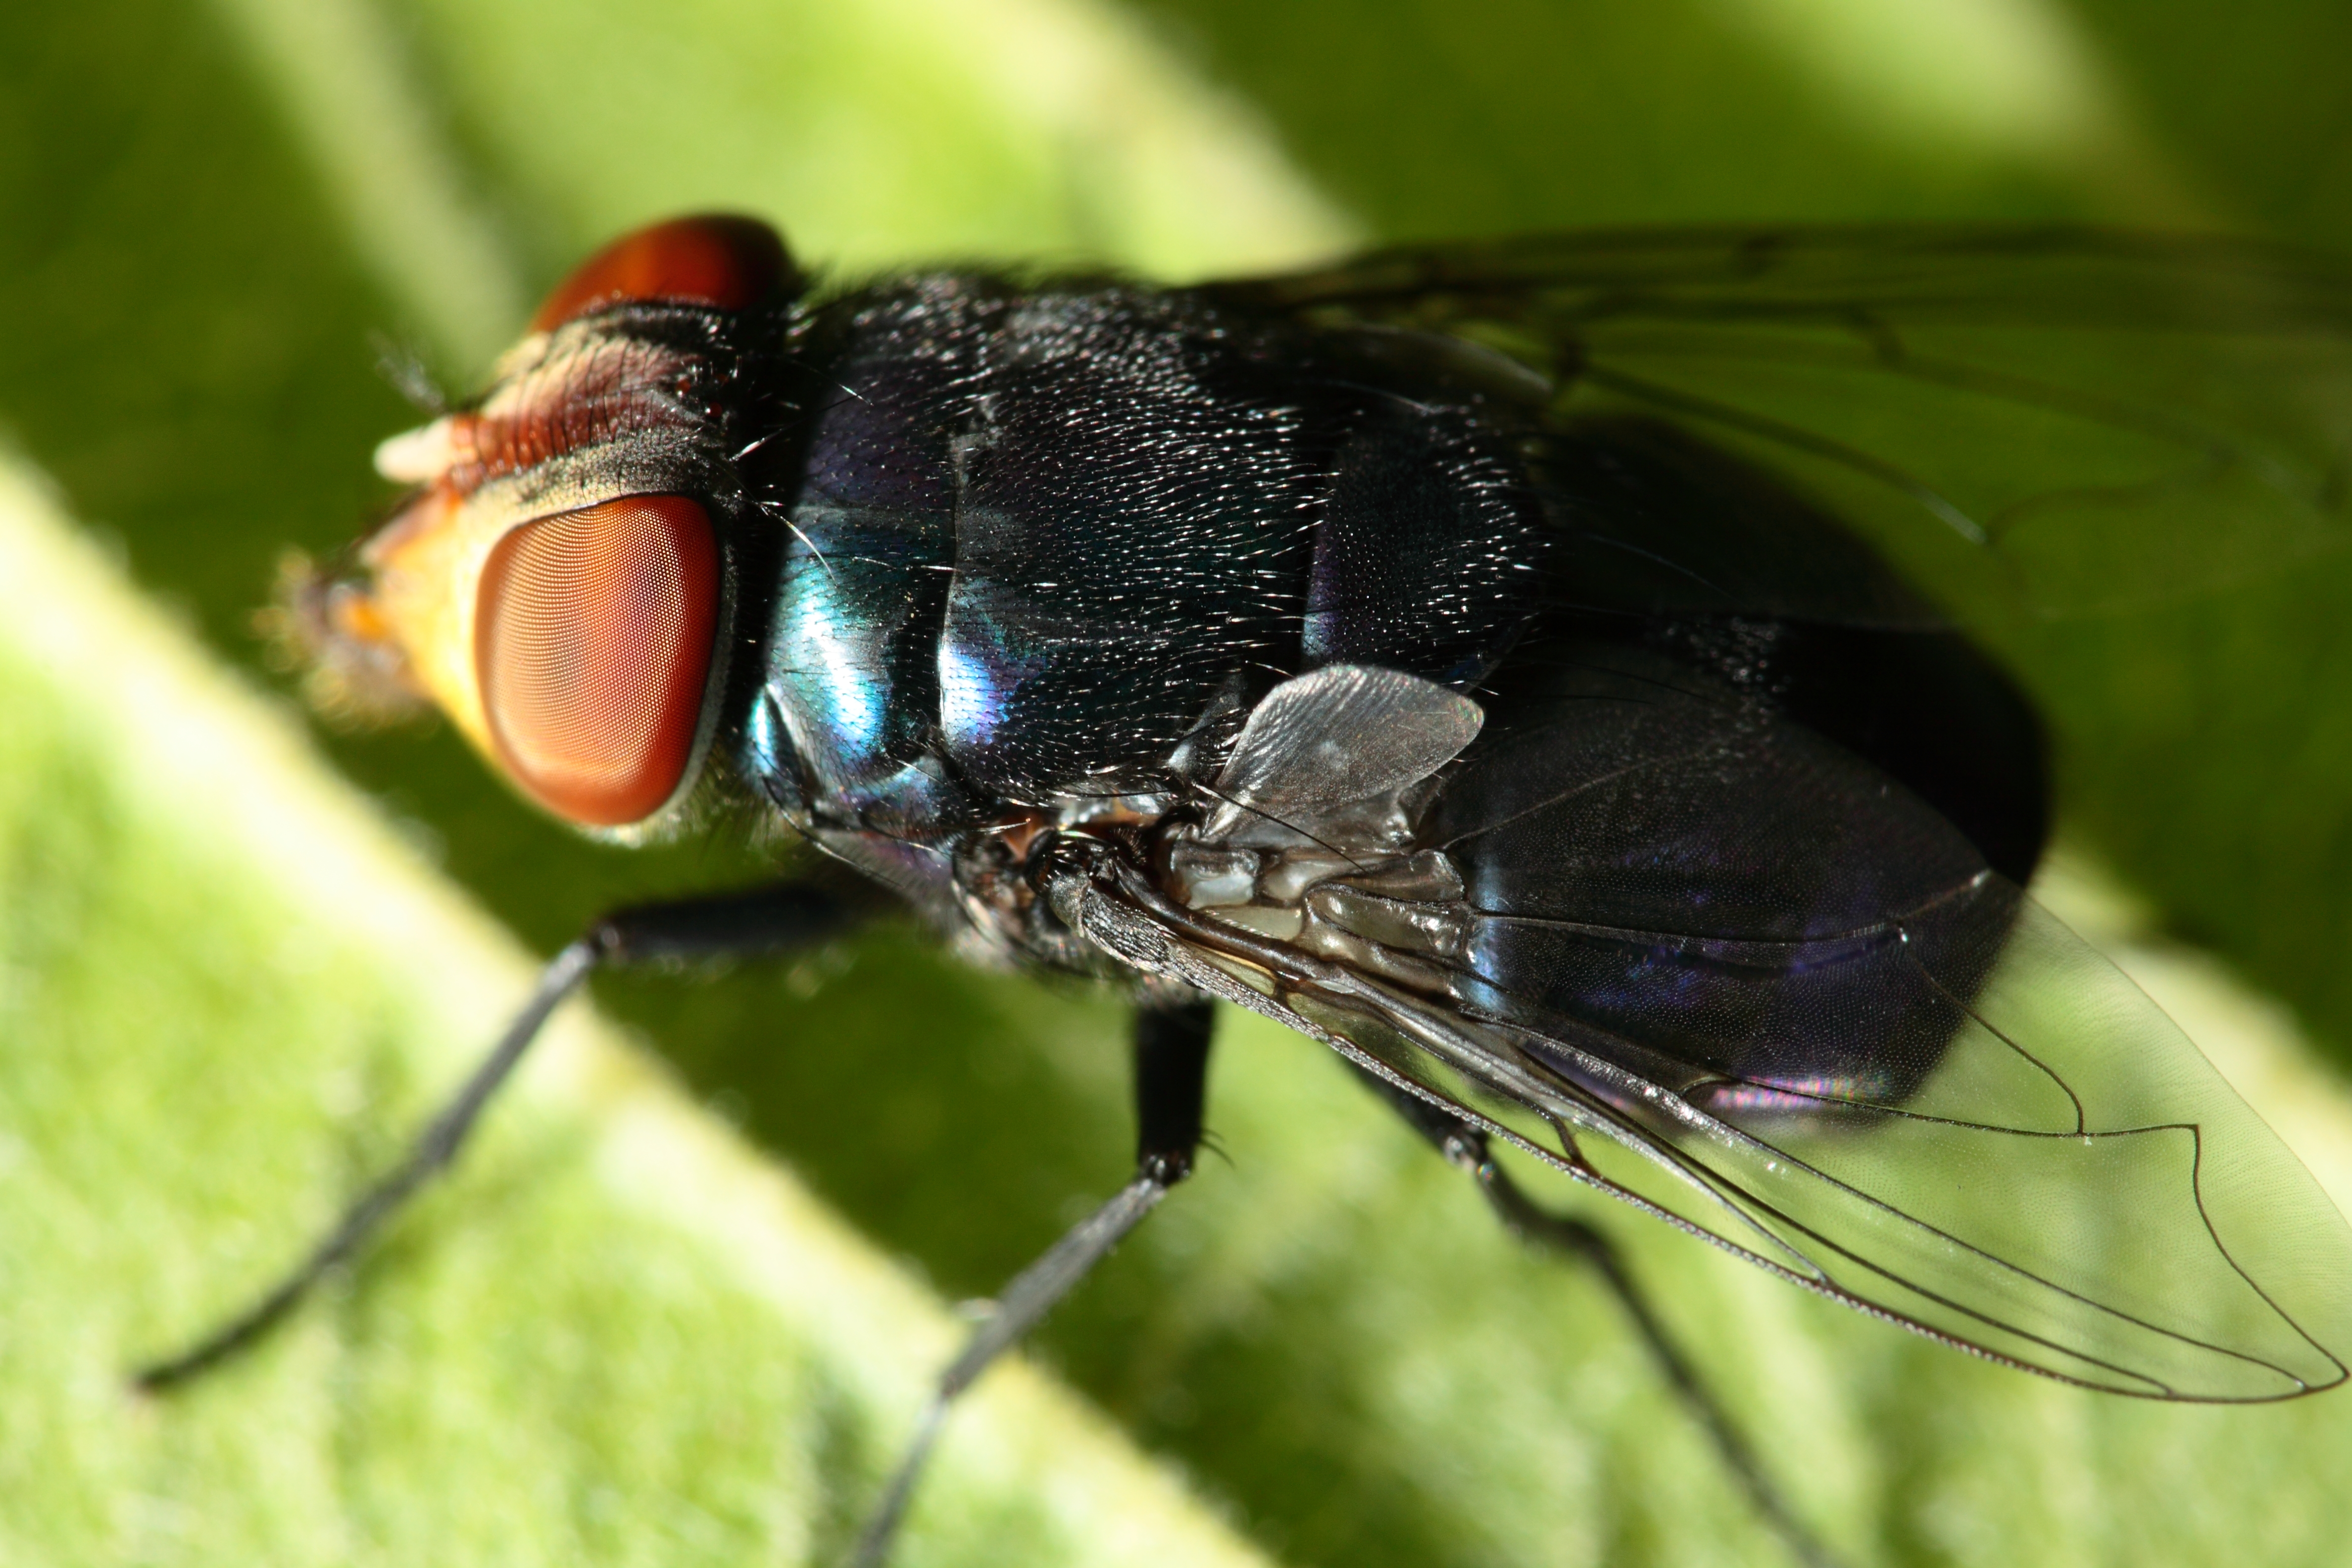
<point x="769" y="919"/>
<point x="1172" y="1064"/>
<point x="1465" y="1146"/>
<point x="1172" y="1080"/>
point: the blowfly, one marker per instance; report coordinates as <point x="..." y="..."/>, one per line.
<point x="1546" y="672"/>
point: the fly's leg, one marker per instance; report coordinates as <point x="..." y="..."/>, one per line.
<point x="1525" y="1219"/>
<point x="1465" y="1146"/>
<point x="1172" y="1066"/>
<point x="769" y="921"/>
<point x="1171" y="1081"/>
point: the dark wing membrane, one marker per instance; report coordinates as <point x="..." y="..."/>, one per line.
<point x="2059" y="421"/>
<point x="1762" y="989"/>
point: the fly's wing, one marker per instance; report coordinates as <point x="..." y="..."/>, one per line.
<point x="1759" y="988"/>
<point x="2059" y="421"/>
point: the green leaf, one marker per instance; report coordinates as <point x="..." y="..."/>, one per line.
<point x="587" y="1346"/>
<point x="619" y="1336"/>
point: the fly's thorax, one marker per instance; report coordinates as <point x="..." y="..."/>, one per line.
<point x="1000" y="871"/>
<point x="1054" y="542"/>
<point x="1402" y="917"/>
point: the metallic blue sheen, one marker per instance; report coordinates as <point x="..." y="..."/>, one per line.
<point x="981" y="664"/>
<point x="768" y="756"/>
<point x="845" y="635"/>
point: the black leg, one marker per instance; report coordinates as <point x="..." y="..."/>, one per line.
<point x="769" y="919"/>
<point x="1465" y="1146"/>
<point x="1172" y="1080"/>
<point x="1172" y="1065"/>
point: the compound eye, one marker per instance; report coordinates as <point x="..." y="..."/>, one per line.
<point x="714" y="259"/>
<point x="591" y="642"/>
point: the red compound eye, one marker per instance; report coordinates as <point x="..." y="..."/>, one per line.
<point x="714" y="259"/>
<point x="591" y="642"/>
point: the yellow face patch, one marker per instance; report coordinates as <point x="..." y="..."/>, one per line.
<point x="425" y="571"/>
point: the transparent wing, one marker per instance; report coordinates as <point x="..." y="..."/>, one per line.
<point x="1731" y="970"/>
<point x="2063" y="421"/>
<point x="2070" y="1186"/>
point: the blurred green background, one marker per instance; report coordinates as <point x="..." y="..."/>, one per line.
<point x="214" y="217"/>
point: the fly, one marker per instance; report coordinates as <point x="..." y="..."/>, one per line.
<point x="1503" y="664"/>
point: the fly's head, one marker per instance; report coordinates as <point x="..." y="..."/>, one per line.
<point x="557" y="582"/>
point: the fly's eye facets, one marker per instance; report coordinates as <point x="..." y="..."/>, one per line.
<point x="592" y="645"/>
<point x="715" y="260"/>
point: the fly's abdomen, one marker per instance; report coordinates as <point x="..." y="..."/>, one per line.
<point x="1701" y="889"/>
